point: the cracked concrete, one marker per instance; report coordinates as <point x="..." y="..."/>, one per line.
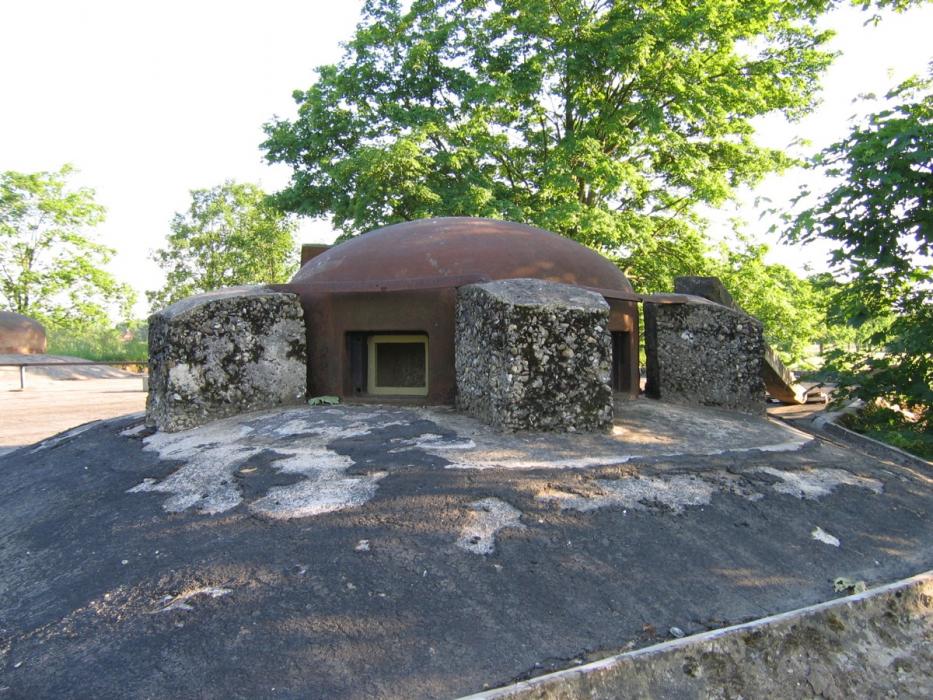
<point x="395" y="552"/>
<point x="489" y="516"/>
<point x="302" y="441"/>
<point x="815" y="483"/>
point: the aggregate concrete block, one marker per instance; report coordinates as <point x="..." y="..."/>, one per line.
<point x="780" y="382"/>
<point x="710" y="288"/>
<point x="226" y="352"/>
<point x="533" y="355"/>
<point x="702" y="353"/>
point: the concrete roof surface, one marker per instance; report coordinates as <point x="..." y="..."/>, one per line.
<point x="373" y="551"/>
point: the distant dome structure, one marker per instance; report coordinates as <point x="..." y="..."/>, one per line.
<point x="21" y="335"/>
<point x="394" y="290"/>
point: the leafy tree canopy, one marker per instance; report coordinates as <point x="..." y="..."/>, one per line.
<point x="603" y="121"/>
<point x="880" y="212"/>
<point x="49" y="266"/>
<point x="788" y="306"/>
<point x="230" y="235"/>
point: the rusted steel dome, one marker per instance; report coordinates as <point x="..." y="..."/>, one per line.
<point x="20" y="335"/>
<point x="445" y="252"/>
<point x="393" y="292"/>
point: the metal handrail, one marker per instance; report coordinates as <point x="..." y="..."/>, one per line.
<point x="71" y="363"/>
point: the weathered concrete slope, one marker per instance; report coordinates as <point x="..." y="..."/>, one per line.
<point x="872" y="644"/>
<point x="779" y="381"/>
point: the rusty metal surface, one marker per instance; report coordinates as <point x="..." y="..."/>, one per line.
<point x="672" y="299"/>
<point x="404" y="279"/>
<point x="459" y="246"/>
<point x="309" y="251"/>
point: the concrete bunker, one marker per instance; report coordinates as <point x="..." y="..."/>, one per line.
<point x="21" y="335"/>
<point x="517" y="326"/>
<point x="381" y="308"/>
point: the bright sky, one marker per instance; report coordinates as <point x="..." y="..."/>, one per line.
<point x="151" y="100"/>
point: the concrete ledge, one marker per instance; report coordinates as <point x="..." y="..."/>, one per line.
<point x="871" y="644"/>
<point x="826" y="422"/>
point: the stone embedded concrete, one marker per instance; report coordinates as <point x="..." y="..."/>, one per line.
<point x="217" y="354"/>
<point x="780" y="382"/>
<point x="704" y="354"/>
<point x="710" y="288"/>
<point x="533" y="355"/>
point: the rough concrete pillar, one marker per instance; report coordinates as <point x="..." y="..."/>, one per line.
<point x="780" y="382"/>
<point x="225" y="352"/>
<point x="534" y="355"/>
<point x="704" y="354"/>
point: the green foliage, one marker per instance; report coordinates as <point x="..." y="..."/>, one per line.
<point x="230" y="235"/>
<point x="890" y="426"/>
<point x="607" y="122"/>
<point x="49" y="268"/>
<point x="103" y="343"/>
<point x="787" y="305"/>
<point x="881" y="214"/>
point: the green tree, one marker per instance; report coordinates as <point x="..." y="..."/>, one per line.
<point x="787" y="306"/>
<point x="604" y="121"/>
<point x="880" y="213"/>
<point x="230" y="235"/>
<point x="49" y="267"/>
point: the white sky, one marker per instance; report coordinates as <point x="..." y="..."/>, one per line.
<point x="151" y="100"/>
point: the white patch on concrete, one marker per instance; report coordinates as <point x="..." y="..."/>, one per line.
<point x="185" y="378"/>
<point x="643" y="429"/>
<point x="135" y="430"/>
<point x="180" y="602"/>
<point x="214" y="453"/>
<point x="814" y="483"/>
<point x="62" y="437"/>
<point x="529" y="454"/>
<point x="317" y="495"/>
<point x="519" y="460"/>
<point x="488" y="516"/>
<point x="145" y="485"/>
<point x="636" y="493"/>
<point x="789" y="446"/>
<point x="433" y="441"/>
<point x="820" y="535"/>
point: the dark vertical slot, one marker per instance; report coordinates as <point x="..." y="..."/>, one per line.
<point x="357" y="351"/>
<point x="621" y="361"/>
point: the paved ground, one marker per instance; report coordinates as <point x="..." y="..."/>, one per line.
<point x="59" y="398"/>
<point x="384" y="552"/>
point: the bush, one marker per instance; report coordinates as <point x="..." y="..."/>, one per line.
<point x="100" y="343"/>
<point x="893" y="427"/>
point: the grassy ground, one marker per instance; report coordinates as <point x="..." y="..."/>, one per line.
<point x="99" y="345"/>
